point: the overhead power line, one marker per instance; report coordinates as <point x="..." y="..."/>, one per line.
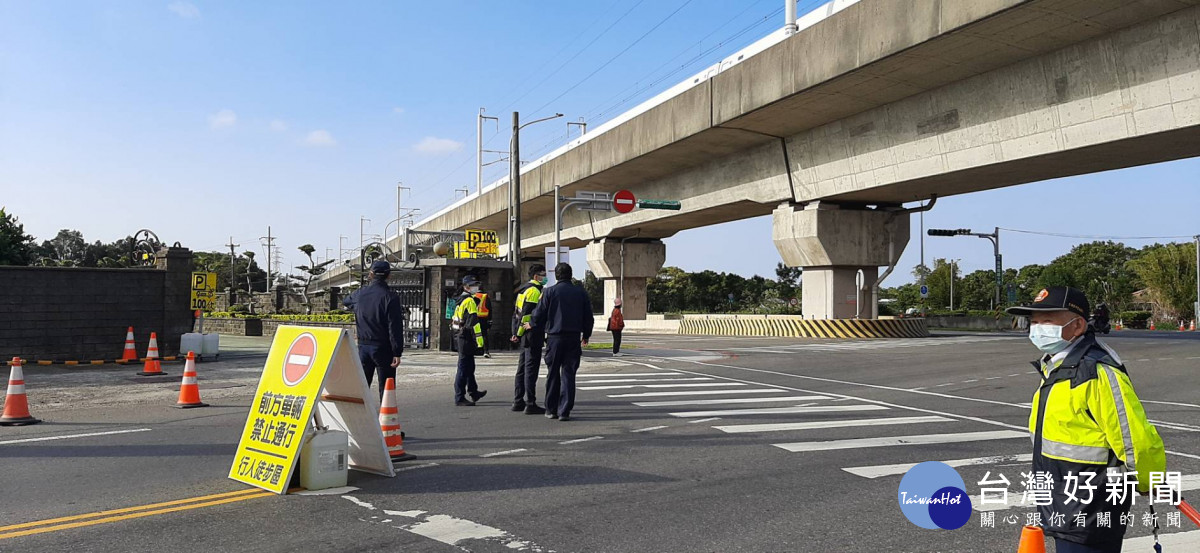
<point x="1096" y="237"/>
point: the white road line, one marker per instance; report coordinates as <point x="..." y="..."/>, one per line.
<point x="617" y="375"/>
<point x="772" y="399"/>
<point x="877" y="402"/>
<point x="628" y="386"/>
<point x="649" y="428"/>
<point x="780" y="411"/>
<point x="67" y="437"/>
<point x="876" y="471"/>
<point x="1017" y="500"/>
<point x="622" y="380"/>
<point x="919" y="388"/>
<point x="1014" y="374"/>
<point x="581" y="440"/>
<point x="1172" y="403"/>
<point x="499" y="453"/>
<point x="970" y="381"/>
<point x="813" y="425"/>
<point x="710" y="419"/>
<point x="703" y="393"/>
<point x="1185" y="541"/>
<point x="887" y="441"/>
<point x="415" y="467"/>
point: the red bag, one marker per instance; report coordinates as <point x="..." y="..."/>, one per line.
<point x="616" y="321"/>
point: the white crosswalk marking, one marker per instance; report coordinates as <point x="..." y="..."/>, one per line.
<point x="627" y="386"/>
<point x="622" y="380"/>
<point x="780" y="410"/>
<point x="876" y="471"/>
<point x="879" y="344"/>
<point x="622" y="375"/>
<point x="812" y="425"/>
<point x="1017" y="500"/>
<point x="772" y="399"/>
<point x="902" y="440"/>
<point x="703" y="392"/>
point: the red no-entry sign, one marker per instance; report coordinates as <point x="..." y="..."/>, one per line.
<point x="299" y="359"/>
<point x="624" y="202"/>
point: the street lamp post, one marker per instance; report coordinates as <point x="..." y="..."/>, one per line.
<point x="514" y="189"/>
<point x="362" y="253"/>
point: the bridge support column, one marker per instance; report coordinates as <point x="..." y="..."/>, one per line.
<point x="832" y="243"/>
<point x="642" y="260"/>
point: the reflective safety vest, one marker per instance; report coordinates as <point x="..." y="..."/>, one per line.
<point x="466" y="319"/>
<point x="481" y="299"/>
<point x="528" y="296"/>
<point x="1085" y="419"/>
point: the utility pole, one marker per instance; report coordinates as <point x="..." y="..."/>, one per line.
<point x="269" y="245"/>
<point x="479" y="148"/>
<point x="400" y="188"/>
<point x="362" y="252"/>
<point x="581" y="124"/>
<point x="952" y="271"/>
<point x="232" y="272"/>
<point x="514" y="190"/>
<point x="1196" y="312"/>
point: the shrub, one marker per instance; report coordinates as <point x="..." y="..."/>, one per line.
<point x="322" y="318"/>
<point x="1133" y="319"/>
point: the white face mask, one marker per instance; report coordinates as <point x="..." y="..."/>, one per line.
<point x="1048" y="337"/>
<point x="474" y="289"/>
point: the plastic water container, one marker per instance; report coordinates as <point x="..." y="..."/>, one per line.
<point x="212" y="346"/>
<point x="323" y="459"/>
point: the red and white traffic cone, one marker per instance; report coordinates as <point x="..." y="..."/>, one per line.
<point x="189" y="389"/>
<point x="153" y="367"/>
<point x="130" y="353"/>
<point x="389" y="422"/>
<point x="16" y="405"/>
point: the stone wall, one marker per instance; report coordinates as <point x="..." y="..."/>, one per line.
<point x="71" y="313"/>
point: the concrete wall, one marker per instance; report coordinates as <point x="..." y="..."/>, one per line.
<point x="55" y="313"/>
<point x="970" y="323"/>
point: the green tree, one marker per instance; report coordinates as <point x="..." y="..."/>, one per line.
<point x="66" y="249"/>
<point x="1100" y="269"/>
<point x="976" y="290"/>
<point x="16" y="247"/>
<point x="310" y="273"/>
<point x="788" y="279"/>
<point x="938" y="281"/>
<point x="1169" y="272"/>
<point x="595" y="291"/>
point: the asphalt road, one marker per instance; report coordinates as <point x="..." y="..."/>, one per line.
<point x="675" y="447"/>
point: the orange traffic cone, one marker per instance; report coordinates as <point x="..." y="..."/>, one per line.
<point x="1120" y="324"/>
<point x="130" y="353"/>
<point x="1193" y="326"/>
<point x="1151" y="324"/>
<point x="16" y="405"/>
<point x="1182" y="327"/>
<point x="153" y="366"/>
<point x="389" y="422"/>
<point x="189" y="390"/>
<point x="1032" y="540"/>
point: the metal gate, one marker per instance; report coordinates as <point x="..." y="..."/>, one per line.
<point x="410" y="286"/>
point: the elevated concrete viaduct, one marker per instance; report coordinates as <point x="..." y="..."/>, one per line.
<point x="884" y="102"/>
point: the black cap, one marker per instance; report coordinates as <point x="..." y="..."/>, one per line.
<point x="1055" y="298"/>
<point x="381" y="267"/>
<point x="470" y="280"/>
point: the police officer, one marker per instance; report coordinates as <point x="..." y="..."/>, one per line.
<point x="565" y="315"/>
<point x="485" y="320"/>
<point x="469" y="335"/>
<point x="1086" y="418"/>
<point x="379" y="319"/>
<point x="531" y="341"/>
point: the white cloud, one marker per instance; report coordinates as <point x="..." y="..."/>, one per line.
<point x="186" y="10"/>
<point x="278" y="125"/>
<point x="398" y="111"/>
<point x="222" y="119"/>
<point x="320" y="138"/>
<point x="434" y="146"/>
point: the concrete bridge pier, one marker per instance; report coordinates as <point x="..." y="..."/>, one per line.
<point x="640" y="262"/>
<point x="832" y="243"/>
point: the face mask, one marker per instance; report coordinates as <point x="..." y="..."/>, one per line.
<point x="542" y="279"/>
<point x="1048" y="337"/>
<point x="474" y="289"/>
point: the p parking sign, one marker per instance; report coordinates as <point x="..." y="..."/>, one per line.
<point x="204" y="291"/>
<point x="482" y="241"/>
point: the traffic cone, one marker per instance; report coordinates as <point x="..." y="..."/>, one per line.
<point x="153" y="367"/>
<point x="389" y="422"/>
<point x="130" y="353"/>
<point x="1120" y="324"/>
<point x="16" y="405"/>
<point x="1182" y="327"/>
<point x="189" y="390"/>
<point x="1151" y="324"/>
<point x="1032" y="540"/>
<point x="1192" y="328"/>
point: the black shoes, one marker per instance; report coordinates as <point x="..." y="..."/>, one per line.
<point x="476" y="396"/>
<point x="534" y="410"/>
<point x="564" y="418"/>
<point x="518" y="406"/>
<point x="464" y="403"/>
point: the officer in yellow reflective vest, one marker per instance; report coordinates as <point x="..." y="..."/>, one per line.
<point x="1086" y="421"/>
<point x="531" y="341"/>
<point x="469" y="335"/>
<point x="485" y="320"/>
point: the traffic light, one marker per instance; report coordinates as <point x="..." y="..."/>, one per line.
<point x="948" y="232"/>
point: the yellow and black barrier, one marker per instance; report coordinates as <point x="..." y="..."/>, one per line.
<point x="72" y="362"/>
<point x="796" y="327"/>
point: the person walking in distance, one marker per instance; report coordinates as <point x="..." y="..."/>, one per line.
<point x="616" y="323"/>
<point x="379" y="320"/>
<point x="485" y="320"/>
<point x="530" y="341"/>
<point x="565" y="315"/>
<point x="469" y="335"/>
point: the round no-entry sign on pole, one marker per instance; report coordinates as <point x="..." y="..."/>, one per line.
<point x="299" y="359"/>
<point x="623" y="201"/>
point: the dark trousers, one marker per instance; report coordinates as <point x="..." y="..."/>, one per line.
<point x="1064" y="546"/>
<point x="528" y="365"/>
<point x="616" y="341"/>
<point x="377" y="358"/>
<point x="464" y="380"/>
<point x="562" y="362"/>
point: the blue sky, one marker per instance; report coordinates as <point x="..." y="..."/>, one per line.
<point x="206" y="120"/>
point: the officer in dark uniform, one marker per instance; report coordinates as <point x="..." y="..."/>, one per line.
<point x="469" y="335"/>
<point x="531" y="342"/>
<point x="565" y="315"/>
<point x="379" y="318"/>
